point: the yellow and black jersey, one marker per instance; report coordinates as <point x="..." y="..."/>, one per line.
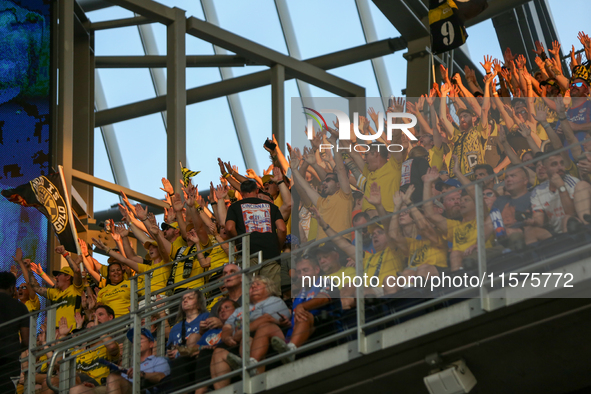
<point x="469" y="148"/>
<point x="423" y="251"/>
<point x="73" y="297"/>
<point x="87" y="362"/>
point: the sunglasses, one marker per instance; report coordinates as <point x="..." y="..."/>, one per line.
<point x="577" y="84"/>
<point x="489" y="194"/>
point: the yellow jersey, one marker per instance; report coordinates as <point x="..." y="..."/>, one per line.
<point x="87" y="362"/>
<point x="423" y="251"/>
<point x="382" y="264"/>
<point x="33" y="304"/>
<point x="73" y="297"/>
<point x="117" y="297"/>
<point x="388" y="178"/>
<point x="462" y="235"/>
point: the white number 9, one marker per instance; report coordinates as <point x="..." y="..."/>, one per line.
<point x="447" y="31"/>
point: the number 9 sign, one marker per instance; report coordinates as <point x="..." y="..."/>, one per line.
<point x="447" y="31"/>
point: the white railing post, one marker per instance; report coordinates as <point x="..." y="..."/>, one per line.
<point x="161" y="339"/>
<point x="51" y="324"/>
<point x="148" y="289"/>
<point x="31" y="359"/>
<point x="481" y="243"/>
<point x="231" y="252"/>
<point x="246" y="384"/>
<point x="133" y="295"/>
<point x="359" y="292"/>
<point x="136" y="350"/>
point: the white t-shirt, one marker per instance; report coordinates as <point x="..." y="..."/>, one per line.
<point x="542" y="199"/>
<point x="273" y="306"/>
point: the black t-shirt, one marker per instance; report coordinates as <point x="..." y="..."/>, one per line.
<point x="256" y="216"/>
<point x="10" y="347"/>
<point x="412" y="172"/>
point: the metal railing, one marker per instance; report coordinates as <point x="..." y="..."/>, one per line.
<point x="133" y="319"/>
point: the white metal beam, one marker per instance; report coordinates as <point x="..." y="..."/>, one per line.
<point x="379" y="66"/>
<point x="109" y="138"/>
<point x="233" y="99"/>
<point x="264" y="55"/>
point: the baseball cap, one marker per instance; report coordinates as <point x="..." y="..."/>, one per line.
<point x="266" y="178"/>
<point x="63" y="270"/>
<point x="467" y="110"/>
<point x="450" y="182"/>
<point x="165" y="226"/>
<point x="150" y="242"/>
<point x="145" y="332"/>
<point x="374" y="226"/>
<point x="326" y="247"/>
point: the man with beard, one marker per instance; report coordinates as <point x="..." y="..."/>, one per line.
<point x="461" y="234"/>
<point x="467" y="140"/>
<point x="334" y="200"/>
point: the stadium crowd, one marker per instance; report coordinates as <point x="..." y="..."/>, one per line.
<point x="467" y="130"/>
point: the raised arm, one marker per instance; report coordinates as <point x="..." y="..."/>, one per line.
<point x="26" y="269"/>
<point x="470" y="99"/>
<point x="129" y="252"/>
<point x="303" y="186"/>
<point x="339" y="165"/>
<point x="394" y="229"/>
<point x="117" y="256"/>
<point x="310" y="158"/>
<point x="285" y="208"/>
<point x="277" y="156"/>
<point x="542" y="117"/>
<point x="431" y="176"/>
<point x="39" y="271"/>
<point x="74" y="265"/>
<point x="449" y="129"/>
<point x="33" y="282"/>
<point x="87" y="261"/>
<point x="566" y="126"/>
<point x="341" y="242"/>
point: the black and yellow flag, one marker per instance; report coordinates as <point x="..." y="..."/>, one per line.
<point x="447" y="28"/>
<point x="187" y="174"/>
<point x="49" y="195"/>
<point x="446" y="20"/>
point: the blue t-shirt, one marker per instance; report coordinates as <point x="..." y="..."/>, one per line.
<point x="578" y="115"/>
<point x="193" y="327"/>
<point x="367" y="248"/>
<point x="211" y="337"/>
<point x="311" y="293"/>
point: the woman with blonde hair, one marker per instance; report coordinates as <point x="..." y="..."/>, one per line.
<point x="268" y="315"/>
